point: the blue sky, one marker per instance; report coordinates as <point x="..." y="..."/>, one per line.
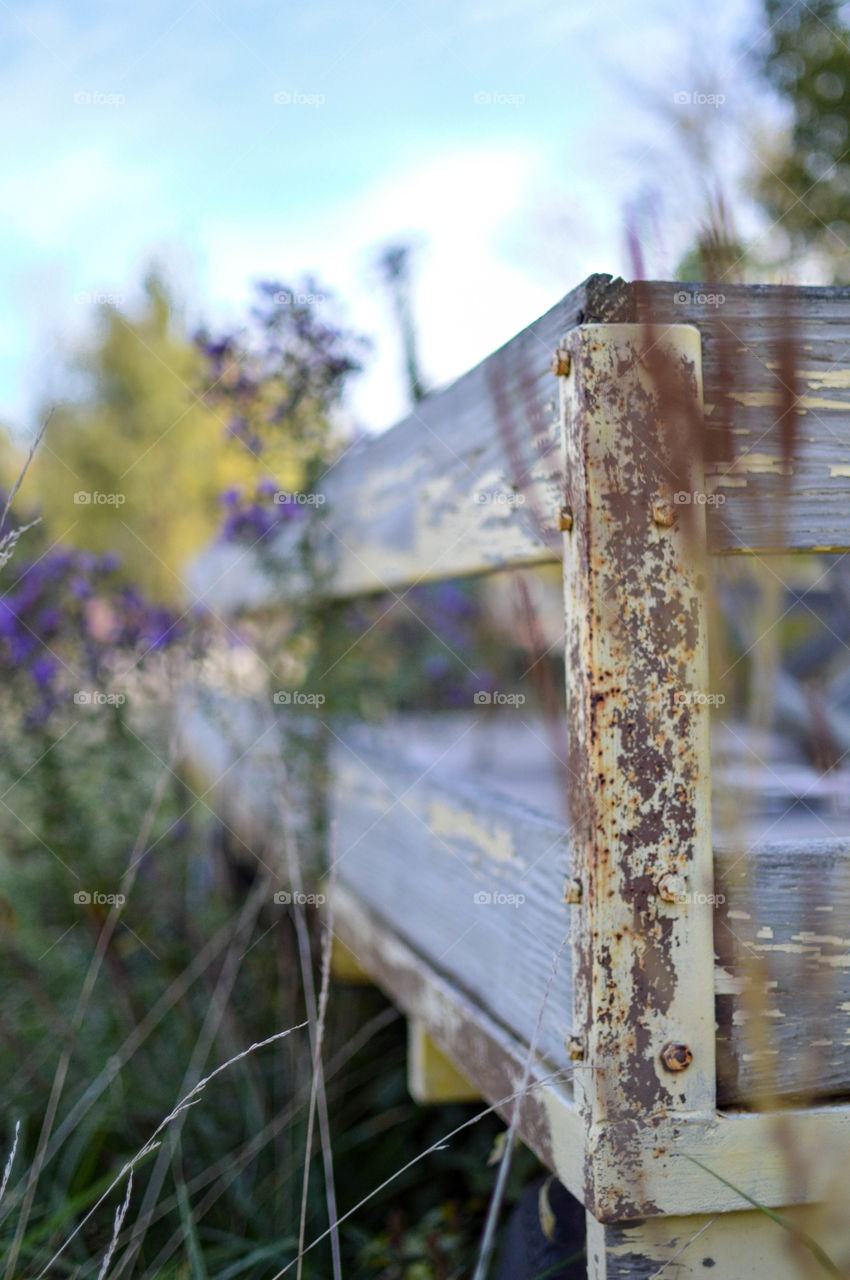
<point x="152" y="132"/>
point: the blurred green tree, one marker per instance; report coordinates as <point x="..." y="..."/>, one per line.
<point x="136" y="462"/>
<point x="804" y="184"/>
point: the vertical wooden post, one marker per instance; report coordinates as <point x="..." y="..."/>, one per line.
<point x="639" y="752"/>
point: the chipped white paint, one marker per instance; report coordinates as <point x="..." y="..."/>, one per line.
<point x="772" y="400"/>
<point x="495" y="843"/>
<point x="740" y="1246"/>
<point x="757" y="464"/>
<point x="744" y="1147"/>
<point x="838" y="377"/>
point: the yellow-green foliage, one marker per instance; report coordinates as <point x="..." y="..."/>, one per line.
<point x="140" y="431"/>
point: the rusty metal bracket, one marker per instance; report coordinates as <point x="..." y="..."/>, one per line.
<point x="639" y="751"/>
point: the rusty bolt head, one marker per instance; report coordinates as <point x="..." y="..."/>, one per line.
<point x="676" y="1057"/>
<point x="575" y="1048"/>
<point x="673" y="888"/>
<point x="565" y="520"/>
<point x="561" y="363"/>
<point x="573" y="891"/>
<point x="663" y="512"/>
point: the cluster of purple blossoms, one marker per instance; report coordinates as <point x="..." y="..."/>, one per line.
<point x="251" y="517"/>
<point x="63" y="619"/>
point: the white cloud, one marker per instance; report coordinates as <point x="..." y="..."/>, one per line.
<point x="462" y="209"/>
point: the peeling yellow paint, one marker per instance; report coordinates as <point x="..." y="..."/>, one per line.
<point x="754" y="464"/>
<point x="770" y="400"/>
<point x="840" y="469"/>
<point x="831" y="939"/>
<point x="726" y="479"/>
<point x="798" y="949"/>
<point x="448" y="824"/>
<point x="833" y="377"/>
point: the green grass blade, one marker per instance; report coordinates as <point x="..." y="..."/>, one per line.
<point x="802" y="1236"/>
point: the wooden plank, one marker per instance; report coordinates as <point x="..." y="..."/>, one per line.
<point x="420" y="828"/>
<point x="746" y="1246"/>
<point x="470" y="481"/>
<point x="749" y="405"/>
<point x="477" y="880"/>
<point x="787" y="900"/>
<point x="748" y="1149"/>
<point x="481" y="1049"/>
<point x="783" y="930"/>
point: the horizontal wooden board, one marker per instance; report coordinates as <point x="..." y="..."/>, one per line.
<point x="475" y="881"/>
<point x="472" y="479"/>
<point x="746" y="1148"/>
<point x="472" y="875"/>
<point x="744" y="329"/>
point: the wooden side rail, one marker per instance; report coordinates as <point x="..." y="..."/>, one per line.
<point x="482" y="882"/>
<point x="551" y="1124"/>
<point x="473" y="479"/>
<point x="615" y="954"/>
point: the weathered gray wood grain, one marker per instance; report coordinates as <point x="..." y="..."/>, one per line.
<point x="746" y="390"/>
<point x="783" y="931"/>
<point x="417" y="840"/>
<point x="788" y="898"/>
<point x="675" y="1154"/>
<point x="472" y="480"/>
<point x="473" y="880"/>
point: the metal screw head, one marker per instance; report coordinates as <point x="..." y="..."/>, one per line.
<point x="676" y="1057"/>
<point x="672" y="887"/>
<point x="573" y="892"/>
<point x="575" y="1048"/>
<point x="561" y="363"/>
<point x="565" y="520"/>
<point x="663" y="512"/>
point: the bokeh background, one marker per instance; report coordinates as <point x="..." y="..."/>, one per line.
<point x="236" y="238"/>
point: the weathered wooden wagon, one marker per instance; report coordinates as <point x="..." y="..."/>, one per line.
<point x="614" y="959"/>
